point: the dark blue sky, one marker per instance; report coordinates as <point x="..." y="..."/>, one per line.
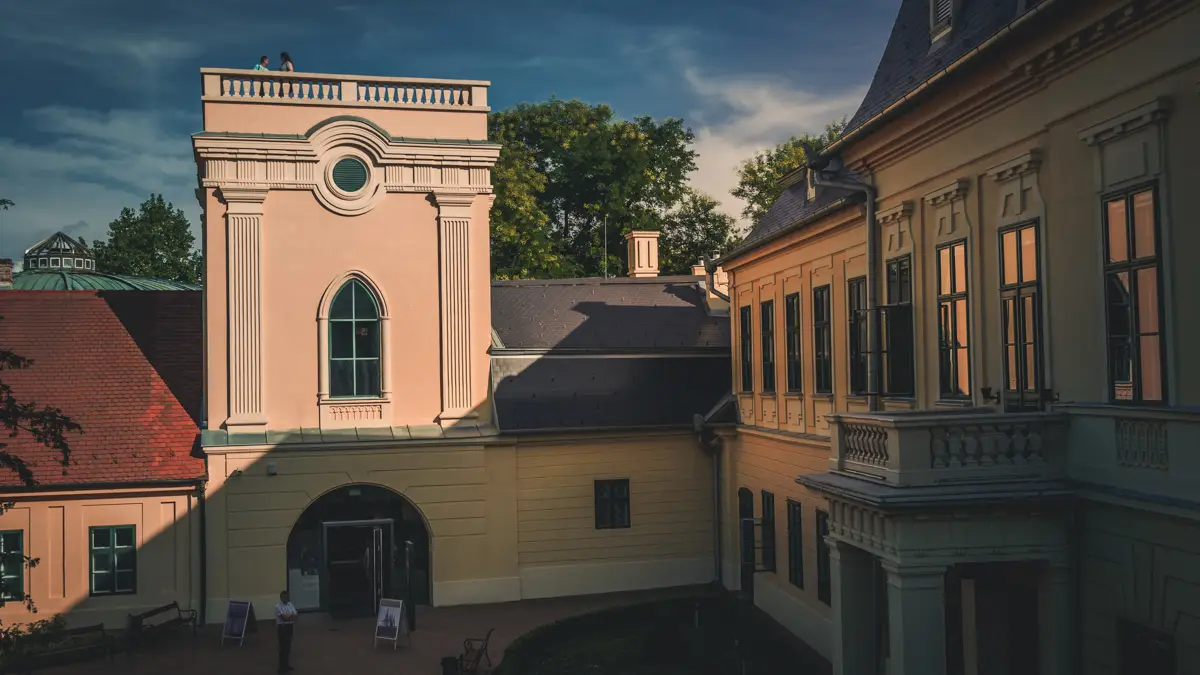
<point x="100" y="96"/>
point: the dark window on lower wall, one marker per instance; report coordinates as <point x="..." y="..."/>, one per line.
<point x="824" y="592"/>
<point x="1144" y="651"/>
<point x="12" y="565"/>
<point x="747" y="349"/>
<point x="791" y="305"/>
<point x="856" y="294"/>
<point x="1133" y="293"/>
<point x="612" y="503"/>
<point x="822" y="341"/>
<point x="795" y="528"/>
<point x="113" y="559"/>
<point x="896" y="324"/>
<point x="768" y="531"/>
<point x="767" y="326"/>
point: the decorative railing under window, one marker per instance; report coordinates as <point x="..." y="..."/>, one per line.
<point x="319" y="89"/>
<point x="932" y="447"/>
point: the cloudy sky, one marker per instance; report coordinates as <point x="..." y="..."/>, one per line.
<point x="100" y="96"/>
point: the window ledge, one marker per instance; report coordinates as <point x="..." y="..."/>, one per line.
<point x="954" y="402"/>
<point x="823" y="396"/>
<point x="793" y="394"/>
<point x="347" y="413"/>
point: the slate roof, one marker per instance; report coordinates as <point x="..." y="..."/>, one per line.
<point x="792" y="208"/>
<point x="565" y="357"/>
<point x="651" y="314"/>
<point x="908" y="60"/>
<point x="125" y="365"/>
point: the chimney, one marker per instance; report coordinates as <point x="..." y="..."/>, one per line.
<point x="720" y="284"/>
<point x="643" y="253"/>
<point x="6" y="273"/>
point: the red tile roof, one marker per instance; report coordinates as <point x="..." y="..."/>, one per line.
<point x="126" y="365"/>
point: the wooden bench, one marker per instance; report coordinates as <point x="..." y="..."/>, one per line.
<point x="475" y="650"/>
<point x="176" y="617"/>
<point x="59" y="647"/>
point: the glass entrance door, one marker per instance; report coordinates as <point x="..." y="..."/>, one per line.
<point x="358" y="563"/>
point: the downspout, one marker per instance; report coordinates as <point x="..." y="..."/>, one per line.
<point x="710" y="268"/>
<point x="713" y="448"/>
<point x="203" y="504"/>
<point x="874" y="362"/>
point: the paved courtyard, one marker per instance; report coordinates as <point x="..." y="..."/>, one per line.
<point x="324" y="645"/>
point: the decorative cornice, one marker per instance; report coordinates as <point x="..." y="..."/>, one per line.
<point x="1154" y="112"/>
<point x="899" y="212"/>
<point x="948" y="194"/>
<point x="1015" y="168"/>
<point x="245" y="195"/>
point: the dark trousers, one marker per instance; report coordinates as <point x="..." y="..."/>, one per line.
<point x="285" y="645"/>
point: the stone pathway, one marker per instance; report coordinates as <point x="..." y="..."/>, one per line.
<point x="344" y="646"/>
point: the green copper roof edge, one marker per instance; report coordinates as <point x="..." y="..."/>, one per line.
<point x="78" y="281"/>
<point x="345" y="118"/>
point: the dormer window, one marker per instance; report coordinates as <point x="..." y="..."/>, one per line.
<point x="941" y="17"/>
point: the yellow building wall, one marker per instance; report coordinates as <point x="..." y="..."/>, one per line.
<point x="56" y="532"/>
<point x="670" y="538"/>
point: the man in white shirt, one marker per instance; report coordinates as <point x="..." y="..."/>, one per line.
<point x="285" y="622"/>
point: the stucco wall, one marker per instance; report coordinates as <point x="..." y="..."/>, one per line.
<point x="56" y="531"/>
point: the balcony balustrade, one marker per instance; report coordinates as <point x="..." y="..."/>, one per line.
<point x="261" y="86"/>
<point x="942" y="447"/>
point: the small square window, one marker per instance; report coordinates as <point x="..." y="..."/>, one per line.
<point x="612" y="504"/>
<point x="55" y="262"/>
<point x="79" y="263"/>
<point x="67" y="262"/>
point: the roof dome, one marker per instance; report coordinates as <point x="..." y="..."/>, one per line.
<point x="83" y="280"/>
<point x="59" y="251"/>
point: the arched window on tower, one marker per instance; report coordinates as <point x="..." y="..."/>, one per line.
<point x="354" y="343"/>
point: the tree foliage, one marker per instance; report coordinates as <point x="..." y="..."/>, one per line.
<point x="758" y="176"/>
<point x="45" y="424"/>
<point x="156" y="241"/>
<point x="573" y="178"/>
<point x="694" y="228"/>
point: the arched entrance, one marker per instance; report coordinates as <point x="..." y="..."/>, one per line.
<point x="355" y="545"/>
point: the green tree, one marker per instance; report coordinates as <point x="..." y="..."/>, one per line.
<point x="695" y="228"/>
<point x="758" y="176"/>
<point x="45" y="424"/>
<point x="573" y="180"/>
<point x="156" y="241"/>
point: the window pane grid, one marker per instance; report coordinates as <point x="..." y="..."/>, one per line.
<point x="768" y="531"/>
<point x="612" y="504"/>
<point x="747" y="349"/>
<point x="1020" y="299"/>
<point x="795" y="525"/>
<point x="896" y="326"/>
<point x="856" y="292"/>
<point x="767" y="326"/>
<point x="792" y="335"/>
<point x="1133" y="299"/>
<point x="822" y="342"/>
<point x="12" y="565"/>
<point x="354" y="343"/>
<point x="954" y="371"/>
<point x="113" y="560"/>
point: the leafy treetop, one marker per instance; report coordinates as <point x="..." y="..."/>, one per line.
<point x="156" y="241"/>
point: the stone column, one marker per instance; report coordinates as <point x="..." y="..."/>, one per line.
<point x="454" y="220"/>
<point x="916" y="619"/>
<point x="852" y="592"/>
<point x="243" y="246"/>
<point x="1054" y="619"/>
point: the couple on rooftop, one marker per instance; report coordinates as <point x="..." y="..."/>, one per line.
<point x="285" y="63"/>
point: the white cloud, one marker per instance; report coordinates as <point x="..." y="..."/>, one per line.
<point x="97" y="164"/>
<point x="755" y="112"/>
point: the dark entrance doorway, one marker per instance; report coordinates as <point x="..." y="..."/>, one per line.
<point x="354" y="546"/>
<point x="746" y="533"/>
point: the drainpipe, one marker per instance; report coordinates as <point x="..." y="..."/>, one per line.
<point x="203" y="504"/>
<point x="713" y="448"/>
<point x="873" y="362"/>
<point x="710" y="268"/>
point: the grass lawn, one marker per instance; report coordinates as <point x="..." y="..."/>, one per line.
<point x="701" y="636"/>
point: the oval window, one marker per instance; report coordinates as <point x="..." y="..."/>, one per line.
<point x="349" y="174"/>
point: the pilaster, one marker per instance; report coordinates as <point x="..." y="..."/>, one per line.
<point x="1054" y="619"/>
<point x="854" y="619"/>
<point x="454" y="221"/>
<point x="243" y="218"/>
<point x="916" y="619"/>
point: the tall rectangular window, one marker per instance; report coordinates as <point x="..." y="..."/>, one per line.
<point x="822" y="342"/>
<point x="824" y="592"/>
<point x="747" y="349"/>
<point x="767" y="326"/>
<point x="1020" y="312"/>
<point x="612" y="504"/>
<point x="12" y="565"/>
<point x="113" y="559"/>
<point x="1136" y="363"/>
<point x="791" y="308"/>
<point x="954" y="358"/>
<point x="856" y="293"/>
<point x="795" y="529"/>
<point x="897" y="327"/>
<point x="768" y="531"/>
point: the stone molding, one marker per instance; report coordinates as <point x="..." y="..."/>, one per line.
<point x="1153" y="112"/>
<point x="948" y="210"/>
<point x="896" y="225"/>
<point x="454" y="285"/>
<point x="243" y="218"/>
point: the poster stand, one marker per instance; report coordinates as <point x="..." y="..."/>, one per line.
<point x="390" y="622"/>
<point x="239" y="617"/>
